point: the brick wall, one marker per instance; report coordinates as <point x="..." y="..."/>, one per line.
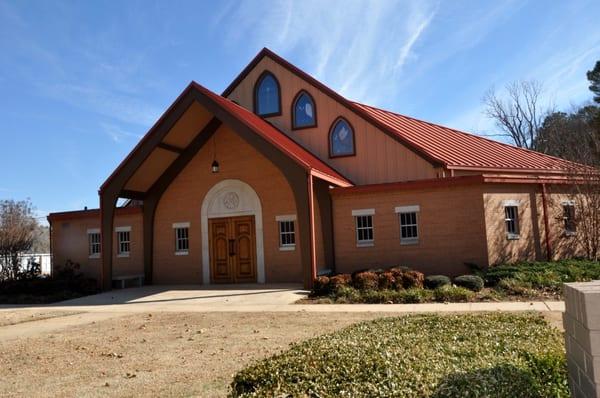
<point x="182" y="202"/>
<point x="451" y="230"/>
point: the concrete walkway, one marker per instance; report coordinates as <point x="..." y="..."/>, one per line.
<point x="252" y="298"/>
<point x="238" y="298"/>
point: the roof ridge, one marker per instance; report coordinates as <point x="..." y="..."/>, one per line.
<point x="462" y="132"/>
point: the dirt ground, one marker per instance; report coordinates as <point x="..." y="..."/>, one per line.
<point x="160" y="354"/>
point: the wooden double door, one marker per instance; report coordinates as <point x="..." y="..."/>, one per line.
<point x="232" y="249"/>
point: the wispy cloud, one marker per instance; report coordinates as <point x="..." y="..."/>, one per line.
<point x="420" y="23"/>
<point x="118" y="134"/>
<point x="356" y="47"/>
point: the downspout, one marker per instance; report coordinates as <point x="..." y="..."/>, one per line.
<point x="546" y="224"/>
<point x="311" y="212"/>
<point x="51" y="248"/>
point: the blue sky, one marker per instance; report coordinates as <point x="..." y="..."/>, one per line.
<point x="81" y="82"/>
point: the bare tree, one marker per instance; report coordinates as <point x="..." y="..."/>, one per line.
<point x="518" y="114"/>
<point x="17" y="234"/>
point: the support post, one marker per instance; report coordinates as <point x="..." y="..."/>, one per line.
<point x="107" y="213"/>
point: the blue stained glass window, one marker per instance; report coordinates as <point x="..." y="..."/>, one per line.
<point x="304" y="111"/>
<point x="267" y="95"/>
<point x="341" y="139"/>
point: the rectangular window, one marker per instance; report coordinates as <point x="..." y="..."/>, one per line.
<point x="364" y="230"/>
<point x="569" y="218"/>
<point x="511" y="218"/>
<point x="287" y="232"/>
<point x="94" y="243"/>
<point x="182" y="243"/>
<point x="123" y="241"/>
<point x="409" y="230"/>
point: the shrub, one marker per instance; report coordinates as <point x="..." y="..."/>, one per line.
<point x="321" y="286"/>
<point x="545" y="275"/>
<point x="516" y="287"/>
<point x="405" y="278"/>
<point x="386" y="280"/>
<point x="413" y="279"/>
<point x="346" y="294"/>
<point x="435" y="281"/>
<point x="378" y="296"/>
<point x="339" y="280"/>
<point x="413" y="296"/>
<point x="452" y="294"/>
<point x="366" y="280"/>
<point x="471" y="282"/>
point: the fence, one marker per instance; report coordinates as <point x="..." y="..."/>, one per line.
<point x="44" y="259"/>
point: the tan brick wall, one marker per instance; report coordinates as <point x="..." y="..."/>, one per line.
<point x="134" y="264"/>
<point x="70" y="242"/>
<point x="182" y="202"/>
<point x="531" y="244"/>
<point x="451" y="230"/>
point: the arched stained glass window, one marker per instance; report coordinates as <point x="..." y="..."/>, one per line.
<point x="304" y="112"/>
<point x="267" y="96"/>
<point x="341" y="139"/>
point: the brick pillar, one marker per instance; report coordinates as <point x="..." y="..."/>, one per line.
<point x="582" y="338"/>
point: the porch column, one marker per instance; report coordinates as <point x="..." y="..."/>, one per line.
<point x="323" y="200"/>
<point x="149" y="209"/>
<point x="108" y="202"/>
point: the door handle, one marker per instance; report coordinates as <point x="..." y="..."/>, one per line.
<point x="231" y="247"/>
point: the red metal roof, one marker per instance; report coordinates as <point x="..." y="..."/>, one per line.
<point x="459" y="150"/>
<point x="277" y="138"/>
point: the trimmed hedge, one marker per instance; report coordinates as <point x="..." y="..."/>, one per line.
<point x="454" y="294"/>
<point x="435" y="281"/>
<point x="418" y="356"/>
<point x="471" y="282"/>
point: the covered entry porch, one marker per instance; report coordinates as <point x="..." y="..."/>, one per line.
<point x="186" y="136"/>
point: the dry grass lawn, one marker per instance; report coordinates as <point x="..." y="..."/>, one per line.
<point x="161" y="354"/>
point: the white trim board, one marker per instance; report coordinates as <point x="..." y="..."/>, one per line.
<point x="126" y="228"/>
<point x="363" y="212"/>
<point x="408" y="209"/>
<point x="287" y="217"/>
<point x="181" y="225"/>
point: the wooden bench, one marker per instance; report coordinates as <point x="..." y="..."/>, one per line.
<point x="122" y="279"/>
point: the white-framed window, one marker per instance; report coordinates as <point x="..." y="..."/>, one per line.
<point x="569" y="218"/>
<point x="123" y="241"/>
<point x="287" y="231"/>
<point x="94" y="243"/>
<point x="511" y="219"/>
<point x="363" y="221"/>
<point x="182" y="238"/>
<point x="409" y="228"/>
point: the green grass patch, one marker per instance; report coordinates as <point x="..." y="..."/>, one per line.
<point x="546" y="276"/>
<point x="489" y="355"/>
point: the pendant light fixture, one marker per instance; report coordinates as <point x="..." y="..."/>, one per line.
<point x="215" y="165"/>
